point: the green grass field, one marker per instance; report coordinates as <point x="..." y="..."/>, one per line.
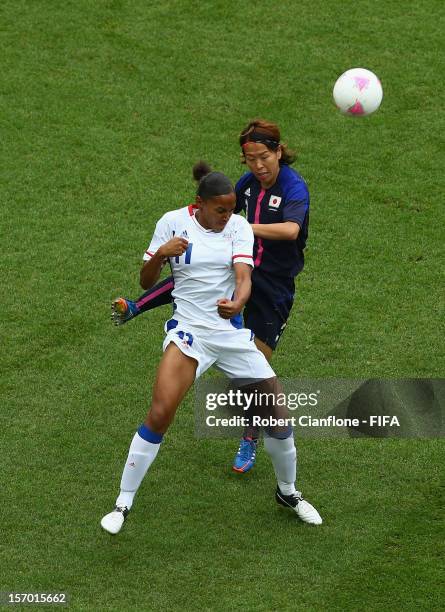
<point x="105" y="106"/>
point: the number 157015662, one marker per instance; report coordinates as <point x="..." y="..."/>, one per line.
<point x="32" y="598"/>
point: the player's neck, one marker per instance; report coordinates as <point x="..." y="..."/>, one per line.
<point x="202" y="222"/>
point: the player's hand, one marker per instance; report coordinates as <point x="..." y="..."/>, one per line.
<point x="228" y="309"/>
<point x="174" y="247"/>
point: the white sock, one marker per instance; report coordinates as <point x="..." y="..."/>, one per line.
<point x="284" y="460"/>
<point x="140" y="456"/>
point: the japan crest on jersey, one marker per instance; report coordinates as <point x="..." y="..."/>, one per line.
<point x="274" y="202"/>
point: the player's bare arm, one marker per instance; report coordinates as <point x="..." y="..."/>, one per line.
<point x="288" y="230"/>
<point x="151" y="270"/>
<point x="243" y="285"/>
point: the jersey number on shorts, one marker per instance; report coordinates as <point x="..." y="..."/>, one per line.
<point x="188" y="254"/>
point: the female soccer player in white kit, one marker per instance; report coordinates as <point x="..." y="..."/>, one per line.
<point x="210" y="254"/>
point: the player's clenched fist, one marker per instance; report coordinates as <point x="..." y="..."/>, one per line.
<point x="228" y="309"/>
<point x="172" y="248"/>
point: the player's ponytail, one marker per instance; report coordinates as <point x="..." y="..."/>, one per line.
<point x="200" y="169"/>
<point x="210" y="184"/>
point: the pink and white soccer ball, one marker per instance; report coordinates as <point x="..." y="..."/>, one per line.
<point x="358" y="92"/>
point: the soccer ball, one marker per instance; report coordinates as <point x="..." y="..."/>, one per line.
<point x="358" y="92"/>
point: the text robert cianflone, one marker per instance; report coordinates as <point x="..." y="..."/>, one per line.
<point x="303" y="420"/>
<point x="241" y="399"/>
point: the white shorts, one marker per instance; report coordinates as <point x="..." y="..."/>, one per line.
<point x="233" y="352"/>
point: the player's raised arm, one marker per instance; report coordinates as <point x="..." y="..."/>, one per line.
<point x="163" y="245"/>
<point x="151" y="270"/>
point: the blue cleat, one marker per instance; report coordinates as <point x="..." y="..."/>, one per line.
<point x="122" y="310"/>
<point x="246" y="455"/>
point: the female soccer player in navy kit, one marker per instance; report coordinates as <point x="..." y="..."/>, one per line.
<point x="275" y="200"/>
<point x="210" y="252"/>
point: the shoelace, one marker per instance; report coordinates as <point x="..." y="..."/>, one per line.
<point x="297" y="495"/>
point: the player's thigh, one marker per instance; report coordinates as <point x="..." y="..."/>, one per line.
<point x="175" y="375"/>
<point x="264" y="348"/>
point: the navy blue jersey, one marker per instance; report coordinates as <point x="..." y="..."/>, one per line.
<point x="286" y="200"/>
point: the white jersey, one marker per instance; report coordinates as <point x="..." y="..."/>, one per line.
<point x="204" y="273"/>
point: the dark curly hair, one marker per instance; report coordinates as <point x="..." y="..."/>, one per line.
<point x="210" y="183"/>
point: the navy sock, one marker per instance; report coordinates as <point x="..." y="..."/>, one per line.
<point x="159" y="295"/>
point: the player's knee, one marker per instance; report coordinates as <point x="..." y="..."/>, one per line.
<point x="159" y="417"/>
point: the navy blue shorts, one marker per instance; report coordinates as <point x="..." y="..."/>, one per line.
<point x="267" y="311"/>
